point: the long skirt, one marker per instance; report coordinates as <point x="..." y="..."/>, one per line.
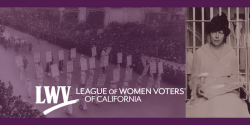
<point x="29" y="91"/>
<point x="69" y="109"/>
<point x="222" y="106"/>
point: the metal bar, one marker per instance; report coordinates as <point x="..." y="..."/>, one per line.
<point x="247" y="45"/>
<point x="211" y="12"/>
<point x="194" y="29"/>
<point x="210" y="21"/>
<point x="202" y="28"/>
<point x="228" y="17"/>
<point x="186" y="75"/>
<point x="237" y="38"/>
<point x="220" y="11"/>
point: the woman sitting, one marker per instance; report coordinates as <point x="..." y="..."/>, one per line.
<point x="213" y="80"/>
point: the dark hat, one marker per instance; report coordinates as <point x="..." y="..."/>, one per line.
<point x="219" y="23"/>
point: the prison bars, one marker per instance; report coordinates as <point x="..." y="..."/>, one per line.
<point x="196" y="34"/>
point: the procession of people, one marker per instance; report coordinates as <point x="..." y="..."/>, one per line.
<point x="139" y="45"/>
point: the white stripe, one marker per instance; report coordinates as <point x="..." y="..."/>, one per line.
<point x="59" y="106"/>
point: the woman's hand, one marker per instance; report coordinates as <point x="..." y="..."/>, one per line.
<point x="195" y="93"/>
<point x="200" y="91"/>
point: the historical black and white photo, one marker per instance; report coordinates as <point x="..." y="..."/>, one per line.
<point x="75" y="62"/>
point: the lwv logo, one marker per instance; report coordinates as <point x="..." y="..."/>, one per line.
<point x="53" y="94"/>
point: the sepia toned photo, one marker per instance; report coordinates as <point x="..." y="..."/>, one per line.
<point x="217" y="62"/>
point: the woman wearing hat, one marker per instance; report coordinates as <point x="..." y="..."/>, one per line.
<point x="25" y="63"/>
<point x="138" y="83"/>
<point x="150" y="81"/>
<point x="69" y="57"/>
<point x="56" y="80"/>
<point x="158" y="82"/>
<point x="213" y="81"/>
<point x="83" y="77"/>
<point x="90" y="79"/>
<point x="83" y="103"/>
<point x="81" y="58"/>
<point x="40" y="81"/>
<point x="35" y="71"/>
<point x="47" y="70"/>
<point x="60" y="66"/>
<point x="69" y="76"/>
<point x="21" y="72"/>
<point x="125" y="86"/>
<point x="69" y="108"/>
<point x="102" y="61"/>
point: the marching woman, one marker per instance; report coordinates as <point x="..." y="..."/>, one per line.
<point x="40" y="82"/>
<point x="69" y="76"/>
<point x="69" y="56"/>
<point x="70" y="59"/>
<point x="83" y="103"/>
<point x="47" y="70"/>
<point x="22" y="43"/>
<point x="113" y="86"/>
<point x="56" y="79"/>
<point x="17" y="43"/>
<point x="83" y="78"/>
<point x="125" y="86"/>
<point x="21" y="73"/>
<point x="25" y="63"/>
<point x="114" y="83"/>
<point x="16" y="48"/>
<point x="69" y="108"/>
<point x="150" y="81"/>
<point x="102" y="61"/>
<point x="92" y="72"/>
<point x="51" y="63"/>
<point x="61" y="66"/>
<point x="48" y="67"/>
<point x="158" y="82"/>
<point x="81" y="58"/>
<point x="35" y="71"/>
<point x="28" y="88"/>
<point x="118" y="66"/>
<point x="38" y="38"/>
<point x="138" y="83"/>
<point x="90" y="79"/>
<point x="30" y="46"/>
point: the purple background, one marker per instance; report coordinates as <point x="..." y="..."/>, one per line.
<point x="125" y="3"/>
<point x="123" y="121"/>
